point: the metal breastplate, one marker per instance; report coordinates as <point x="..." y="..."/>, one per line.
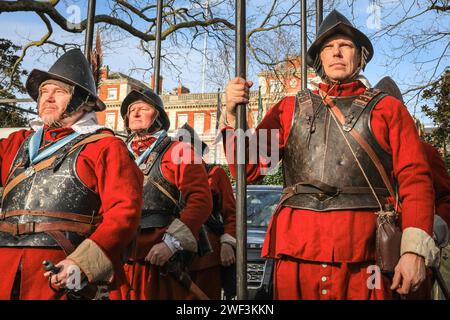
<point x="316" y="151"/>
<point x="159" y="207"/>
<point x="54" y="189"/>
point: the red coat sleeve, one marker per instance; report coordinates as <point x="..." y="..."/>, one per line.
<point x="107" y="168"/>
<point x="441" y="182"/>
<point x="396" y="133"/>
<point x="8" y="150"/>
<point x="220" y="184"/>
<point x="182" y="167"/>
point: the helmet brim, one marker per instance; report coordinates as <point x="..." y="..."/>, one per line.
<point x="37" y="77"/>
<point x="359" y="38"/>
<point x="135" y="95"/>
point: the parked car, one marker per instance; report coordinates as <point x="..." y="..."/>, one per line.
<point x="262" y="201"/>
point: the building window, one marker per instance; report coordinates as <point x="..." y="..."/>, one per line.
<point x="213" y="123"/>
<point x="199" y="122"/>
<point x="275" y="86"/>
<point x="112" y="94"/>
<point x="120" y="125"/>
<point x="110" y="120"/>
<point x="254" y="118"/>
<point x="182" y="119"/>
<point x="172" y="119"/>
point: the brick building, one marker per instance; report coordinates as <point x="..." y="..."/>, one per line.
<point x="199" y="110"/>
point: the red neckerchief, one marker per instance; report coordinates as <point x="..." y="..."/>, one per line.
<point x="53" y="134"/>
<point x="141" y="143"/>
<point x="353" y="88"/>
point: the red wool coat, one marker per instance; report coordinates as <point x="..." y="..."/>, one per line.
<point x="206" y="270"/>
<point x="191" y="179"/>
<point x="105" y="167"/>
<point x="441" y="182"/>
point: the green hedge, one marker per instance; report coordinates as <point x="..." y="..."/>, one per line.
<point x="276" y="178"/>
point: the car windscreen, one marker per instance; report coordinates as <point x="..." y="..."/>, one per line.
<point x="260" y="206"/>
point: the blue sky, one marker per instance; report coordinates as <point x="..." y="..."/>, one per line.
<point x="123" y="55"/>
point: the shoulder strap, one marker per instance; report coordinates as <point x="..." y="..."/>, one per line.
<point x="358" y="106"/>
<point x="44" y="164"/>
<point x="157" y="152"/>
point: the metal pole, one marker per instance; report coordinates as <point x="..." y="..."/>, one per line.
<point x="303" y="45"/>
<point x="158" y="47"/>
<point x="218" y="112"/>
<point x="89" y="30"/>
<point x="205" y="48"/>
<point x="319" y="14"/>
<point x="241" y="192"/>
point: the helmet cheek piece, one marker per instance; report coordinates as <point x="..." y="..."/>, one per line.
<point x="80" y="98"/>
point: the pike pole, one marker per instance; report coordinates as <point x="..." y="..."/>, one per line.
<point x="319" y="14"/>
<point x="303" y="39"/>
<point x="241" y="181"/>
<point x="89" y="38"/>
<point x="157" y="69"/>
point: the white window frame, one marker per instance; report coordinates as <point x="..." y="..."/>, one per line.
<point x="111" y="94"/>
<point x="180" y="116"/>
<point x="108" y="117"/>
<point x="199" y="122"/>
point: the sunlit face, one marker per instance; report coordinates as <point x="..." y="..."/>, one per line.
<point x="141" y="116"/>
<point x="53" y="101"/>
<point x="340" y="57"/>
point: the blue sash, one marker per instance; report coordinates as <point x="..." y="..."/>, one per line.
<point x="35" y="142"/>
<point x="160" y="135"/>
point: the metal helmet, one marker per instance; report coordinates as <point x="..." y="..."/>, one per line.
<point x="336" y="23"/>
<point x="71" y="68"/>
<point x="149" y="96"/>
<point x="388" y="85"/>
<point x="187" y="132"/>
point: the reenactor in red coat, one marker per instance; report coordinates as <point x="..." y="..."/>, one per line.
<point x="210" y="271"/>
<point x="176" y="202"/>
<point x="72" y="193"/>
<point x="323" y="234"/>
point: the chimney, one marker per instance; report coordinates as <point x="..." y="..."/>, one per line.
<point x="104" y="73"/>
<point x="152" y="83"/>
<point x="180" y="89"/>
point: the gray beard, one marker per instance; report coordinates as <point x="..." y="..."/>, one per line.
<point x="53" y="121"/>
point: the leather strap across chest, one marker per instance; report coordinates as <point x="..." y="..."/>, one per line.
<point x="362" y="142"/>
<point x="48" y="162"/>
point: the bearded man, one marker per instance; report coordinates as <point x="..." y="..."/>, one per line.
<point x="72" y="193"/>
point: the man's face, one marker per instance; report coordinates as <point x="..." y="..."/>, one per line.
<point x="141" y="115"/>
<point x="53" y="101"/>
<point x="340" y="57"/>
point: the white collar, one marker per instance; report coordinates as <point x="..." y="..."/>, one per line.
<point x="313" y="84"/>
<point x="86" y="124"/>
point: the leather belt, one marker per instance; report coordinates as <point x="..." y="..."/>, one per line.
<point x="315" y="188"/>
<point x="54" y="214"/>
<point x="18" y="229"/>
